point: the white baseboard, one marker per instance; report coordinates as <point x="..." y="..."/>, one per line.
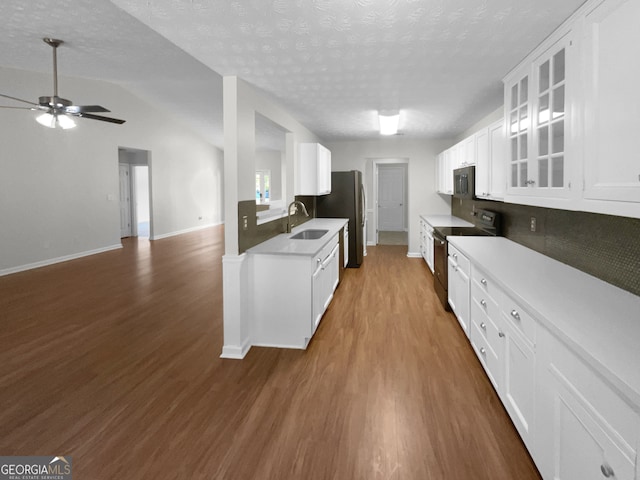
<point x="414" y="255"/>
<point x="236" y="352"/>
<point x="186" y="230"/>
<point x="52" y="261"/>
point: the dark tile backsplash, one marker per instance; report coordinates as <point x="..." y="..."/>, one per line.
<point x="605" y="246"/>
<point x="255" y="234"/>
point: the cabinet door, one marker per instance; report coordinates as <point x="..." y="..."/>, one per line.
<point x="539" y="122"/>
<point x="483" y="168"/>
<point x="583" y="442"/>
<point x="517" y="111"/>
<point x="497" y="164"/>
<point x="458" y="291"/>
<point x="467" y="151"/>
<point x="324" y="170"/>
<point x="318" y="288"/>
<point x="519" y="382"/>
<point x="612" y="112"/>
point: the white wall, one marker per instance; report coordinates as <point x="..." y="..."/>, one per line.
<point x="59" y="189"/>
<point x="421" y="155"/>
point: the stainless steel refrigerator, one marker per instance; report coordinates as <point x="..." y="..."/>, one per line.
<point x="347" y="200"/>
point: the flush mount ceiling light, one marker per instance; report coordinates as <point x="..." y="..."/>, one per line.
<point x="388" y="123"/>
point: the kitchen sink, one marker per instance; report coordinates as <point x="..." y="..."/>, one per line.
<point x="310" y="234"/>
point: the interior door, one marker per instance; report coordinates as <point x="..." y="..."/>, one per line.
<point x="125" y="201"/>
<point x="391" y="198"/>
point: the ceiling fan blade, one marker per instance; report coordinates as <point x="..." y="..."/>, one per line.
<point x="18" y="99"/>
<point x="100" y="117"/>
<point x="17" y="108"/>
<point x="84" y="108"/>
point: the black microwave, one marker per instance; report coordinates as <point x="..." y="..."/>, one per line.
<point x="464" y="182"/>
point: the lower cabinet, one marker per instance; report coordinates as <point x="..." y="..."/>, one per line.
<point x="575" y="425"/>
<point x="426" y="243"/>
<point x="290" y="295"/>
<point x="458" y="286"/>
<point x="585" y="430"/>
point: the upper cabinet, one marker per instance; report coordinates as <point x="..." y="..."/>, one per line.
<point x="612" y="104"/>
<point x="539" y="157"/>
<point x="313" y="170"/>
<point x="490" y="161"/>
<point x="571" y="111"/>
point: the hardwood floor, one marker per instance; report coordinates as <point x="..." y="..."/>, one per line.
<point x="114" y="360"/>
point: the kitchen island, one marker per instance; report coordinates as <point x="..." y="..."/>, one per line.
<point x="292" y="282"/>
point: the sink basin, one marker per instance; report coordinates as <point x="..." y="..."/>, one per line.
<point x="310" y="234"/>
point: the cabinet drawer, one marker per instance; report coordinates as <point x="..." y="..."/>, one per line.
<point x="486" y="302"/>
<point x="485" y="284"/>
<point x="459" y="259"/>
<point x="517" y="317"/>
<point x="326" y="250"/>
<point x="488" y="358"/>
<point x="488" y="328"/>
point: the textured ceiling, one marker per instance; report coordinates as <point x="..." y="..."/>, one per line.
<point x="331" y="63"/>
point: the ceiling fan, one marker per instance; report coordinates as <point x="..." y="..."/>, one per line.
<point x="58" y="111"/>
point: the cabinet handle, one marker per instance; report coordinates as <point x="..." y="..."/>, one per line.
<point x="483" y="351"/>
<point x="515" y="314"/>
<point x="501" y="334"/>
<point x="606" y="470"/>
<point x="483" y="303"/>
<point x="483" y="282"/>
<point x="455" y="255"/>
<point x="483" y="326"/>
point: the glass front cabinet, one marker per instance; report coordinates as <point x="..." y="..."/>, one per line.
<point x="539" y="159"/>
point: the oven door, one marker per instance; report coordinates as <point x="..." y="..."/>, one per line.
<point x="440" y="268"/>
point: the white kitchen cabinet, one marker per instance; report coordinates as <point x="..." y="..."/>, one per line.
<point x="290" y="294"/>
<point x="345" y="243"/>
<point x="487" y="336"/>
<point x="324" y="282"/>
<point x="426" y="243"/>
<point x="458" y="288"/>
<point x="518" y="393"/>
<point x="490" y="162"/>
<point x="467" y="152"/>
<point x="564" y="363"/>
<point x="588" y="431"/>
<point x="313" y="170"/>
<point x="444" y="173"/>
<point x="611" y="105"/>
<point x="537" y="113"/>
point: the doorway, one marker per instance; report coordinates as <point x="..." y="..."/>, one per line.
<point x="136" y="219"/>
<point x="391" y="178"/>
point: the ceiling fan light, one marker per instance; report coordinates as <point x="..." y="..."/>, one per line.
<point x="65" y="122"/>
<point x="46" y="120"/>
<point x="54" y="120"/>
<point x="389" y="124"/>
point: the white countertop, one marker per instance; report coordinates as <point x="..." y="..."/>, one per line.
<point x="599" y="321"/>
<point x="445" y="221"/>
<point x="284" y="245"/>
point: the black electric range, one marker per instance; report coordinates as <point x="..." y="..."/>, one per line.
<point x="487" y="224"/>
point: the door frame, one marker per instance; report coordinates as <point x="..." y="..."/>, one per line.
<point x="137" y="157"/>
<point x="376" y="165"/>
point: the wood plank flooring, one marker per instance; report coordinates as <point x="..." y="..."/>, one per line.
<point x="114" y="360"/>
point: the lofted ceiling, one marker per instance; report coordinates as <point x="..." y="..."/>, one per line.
<point x="332" y="63"/>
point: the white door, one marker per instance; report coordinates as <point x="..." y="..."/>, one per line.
<point x="125" y="201"/>
<point x="391" y="198"/>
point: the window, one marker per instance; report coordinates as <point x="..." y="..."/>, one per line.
<point x="263" y="186"/>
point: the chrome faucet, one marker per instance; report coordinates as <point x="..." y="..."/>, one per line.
<point x="295" y="205"/>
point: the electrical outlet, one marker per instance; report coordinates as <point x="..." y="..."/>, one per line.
<point x="533" y="224"/>
<point x="245" y="222"/>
